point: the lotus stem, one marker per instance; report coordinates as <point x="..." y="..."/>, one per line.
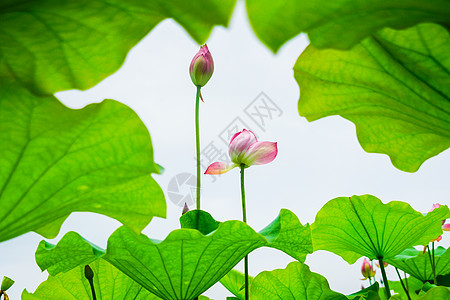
<point x="5" y="296"/>
<point x="244" y="217"/>
<point x="406" y="280"/>
<point x="89" y="274"/>
<point x="403" y="285"/>
<point x="385" y="280"/>
<point x="431" y="256"/>
<point x="197" y="143"/>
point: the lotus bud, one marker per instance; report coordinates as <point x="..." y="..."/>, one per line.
<point x="366" y="269"/>
<point x="88" y="273"/>
<point x="202" y="67"/>
<point x="185" y="209"/>
<point x="6" y="283"/>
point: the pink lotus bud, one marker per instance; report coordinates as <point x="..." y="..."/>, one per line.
<point x="202" y="66"/>
<point x="244" y="149"/>
<point x="366" y="269"/>
<point x="185" y="209"/>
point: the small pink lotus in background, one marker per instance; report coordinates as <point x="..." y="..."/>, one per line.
<point x="244" y="149"/>
<point x="202" y="67"/>
<point x="366" y="269"/>
<point x="445" y="227"/>
<point x="384" y="263"/>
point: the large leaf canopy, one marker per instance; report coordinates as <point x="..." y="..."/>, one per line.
<point x="183" y="265"/>
<point x="55" y="160"/>
<point x="357" y="226"/>
<point x="340" y="23"/>
<point x="50" y="46"/>
<point x="393" y="85"/>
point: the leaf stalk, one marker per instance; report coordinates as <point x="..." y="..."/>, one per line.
<point x="403" y="285"/>
<point x="432" y="262"/>
<point x="244" y="217"/>
<point x="385" y="280"/>
<point x="197" y="143"/>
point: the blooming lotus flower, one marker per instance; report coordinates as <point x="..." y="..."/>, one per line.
<point x="366" y="269"/>
<point x="202" y="66"/>
<point x="244" y="149"/>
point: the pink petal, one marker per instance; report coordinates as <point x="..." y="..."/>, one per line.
<point x="260" y="153"/>
<point x="438" y="239"/>
<point x="235" y="135"/>
<point x="446" y="227"/>
<point x="253" y="136"/>
<point x="239" y="143"/>
<point x="436" y="205"/>
<point x="219" y="168"/>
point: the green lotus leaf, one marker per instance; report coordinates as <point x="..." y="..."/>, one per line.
<point x="417" y="263"/>
<point x="186" y="263"/>
<point x="194" y="257"/>
<point x="287" y="234"/>
<point x="443" y="280"/>
<point x="51" y="46"/>
<point x="55" y="161"/>
<point x="393" y="297"/>
<point x="357" y="226"/>
<point x="394" y="86"/>
<point x="382" y="295"/>
<point x="71" y="251"/>
<point x="370" y="292"/>
<point x="438" y="292"/>
<point x="338" y="24"/>
<point x="234" y="282"/>
<point x="200" y="220"/>
<point x="370" y="295"/>
<point x="412" y="284"/>
<point x="294" y="282"/>
<point x="182" y="266"/>
<point x="109" y="284"/>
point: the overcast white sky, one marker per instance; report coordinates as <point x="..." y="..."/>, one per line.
<point x="316" y="161"/>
